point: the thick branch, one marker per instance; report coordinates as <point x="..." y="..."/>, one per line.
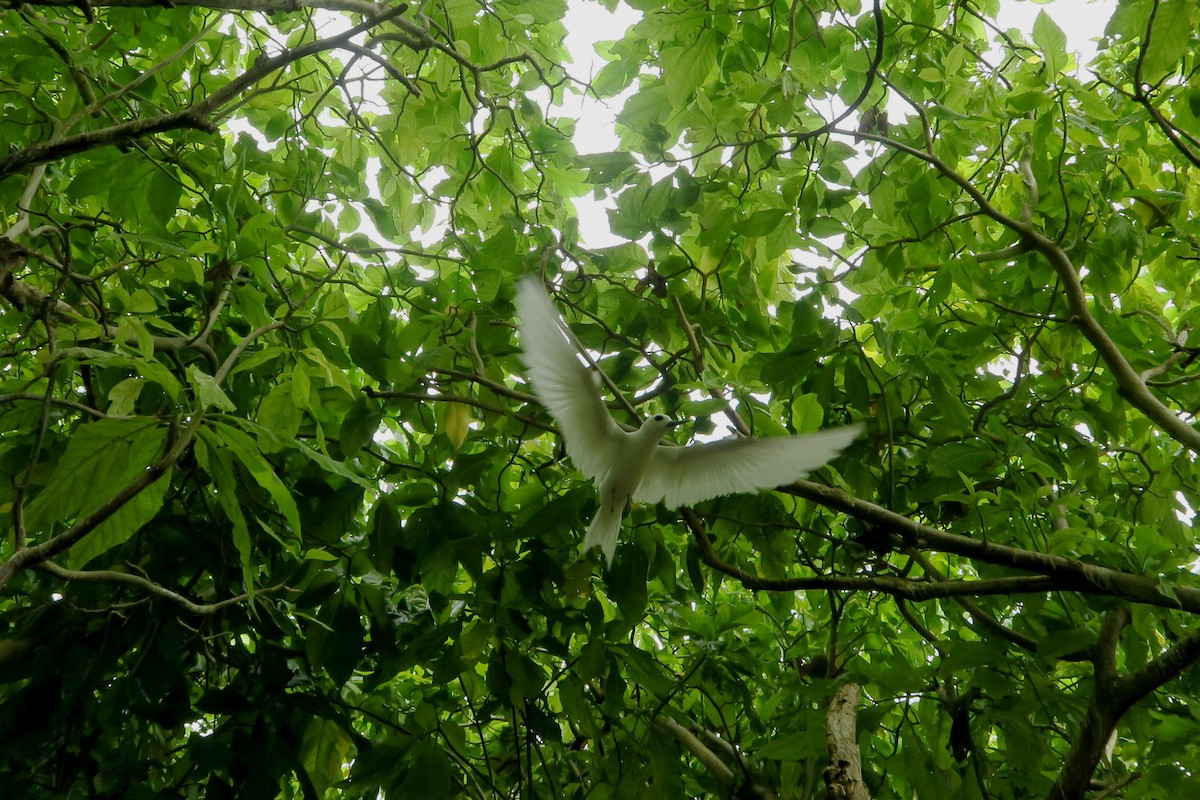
<point x="1101" y="717"/>
<point x="1067" y="574"/>
<point x="1166" y="667"/>
<point x="711" y="761"/>
<point x="843" y="772"/>
<point x="904" y="588"/>
<point x="1113" y="695"/>
<point x="1133" y="388"/>
<point x="1052" y="573"/>
<point x="45" y="152"/>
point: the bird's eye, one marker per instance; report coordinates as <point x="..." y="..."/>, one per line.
<point x="659" y="417"/>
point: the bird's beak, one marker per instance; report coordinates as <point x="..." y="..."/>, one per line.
<point x="675" y="423"/>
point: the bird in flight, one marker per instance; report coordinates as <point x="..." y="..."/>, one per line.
<point x="635" y="465"/>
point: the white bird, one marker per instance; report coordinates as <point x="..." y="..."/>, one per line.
<point x="635" y="465"/>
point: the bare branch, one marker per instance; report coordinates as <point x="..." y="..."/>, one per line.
<point x="150" y="587"/>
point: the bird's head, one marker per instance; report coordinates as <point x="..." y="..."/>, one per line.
<point x="659" y="424"/>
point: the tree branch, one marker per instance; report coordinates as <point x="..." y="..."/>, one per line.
<point x="843" y="772"/>
<point x="150" y="587"/>
<point x="1067" y="574"/>
<point x="711" y="761"/>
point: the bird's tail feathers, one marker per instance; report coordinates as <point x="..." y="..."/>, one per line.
<point x="603" y="531"/>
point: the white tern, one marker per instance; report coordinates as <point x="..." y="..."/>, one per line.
<point x="635" y="465"/>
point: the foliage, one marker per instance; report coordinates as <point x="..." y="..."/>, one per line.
<point x="281" y="518"/>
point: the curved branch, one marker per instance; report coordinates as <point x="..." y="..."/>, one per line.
<point x="1112" y="696"/>
<point x="905" y="588"/>
<point x="715" y="766"/>
<point x="150" y="587"/>
<point x="711" y="761"/>
<point x="57" y="401"/>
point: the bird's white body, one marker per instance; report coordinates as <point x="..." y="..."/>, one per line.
<point x="636" y="465"/>
<point x="635" y="455"/>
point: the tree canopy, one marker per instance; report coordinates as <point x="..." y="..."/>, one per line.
<point x="281" y="518"/>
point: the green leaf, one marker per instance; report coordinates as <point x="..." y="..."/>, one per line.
<point x="959" y="457"/>
<point x="279" y="414"/>
<point x="217" y="463"/>
<point x="208" y="391"/>
<point x="1174" y="23"/>
<point x="760" y="223"/>
<point x="343" y="646"/>
<point x="429" y="774"/>
<point x="163" y="191"/>
<point x="606" y="168"/>
<point x="123" y="524"/>
<point x="123" y="397"/>
<point x="685" y="68"/>
<point x="386" y="533"/>
<point x="324" y="748"/>
<point x="245" y="449"/>
<point x="1051" y="40"/>
<point x="1061" y="643"/>
<point x="807" y="413"/>
<point x="271" y="442"/>
<point x="150" y="370"/>
<point x="101" y="458"/>
<point x="358" y="427"/>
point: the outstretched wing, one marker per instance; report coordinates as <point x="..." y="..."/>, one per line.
<point x="681" y="476"/>
<point x="563" y="385"/>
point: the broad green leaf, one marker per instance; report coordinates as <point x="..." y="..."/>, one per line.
<point x="207" y="390"/>
<point x="150" y="370"/>
<point x="217" y="463"/>
<point x="1051" y="40"/>
<point x="429" y="774"/>
<point x="101" y="457"/>
<point x="358" y="428"/>
<point x="954" y="458"/>
<point x="123" y="524"/>
<point x="279" y="414"/>
<point x="761" y="222"/>
<point x="123" y="397"/>
<point x="689" y="66"/>
<point x="270" y="442"/>
<point x="456" y="420"/>
<point x="807" y="413"/>
<point x="1174" y="22"/>
<point x="323" y="750"/>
